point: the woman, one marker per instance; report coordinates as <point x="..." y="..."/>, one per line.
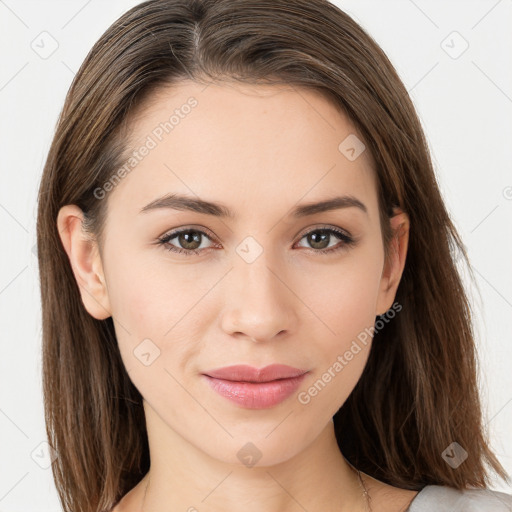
<point x="248" y="283"/>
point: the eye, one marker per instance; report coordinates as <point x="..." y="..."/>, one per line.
<point x="319" y="239"/>
<point x="191" y="240"/>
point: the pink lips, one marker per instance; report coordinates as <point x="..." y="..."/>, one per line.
<point x="255" y="389"/>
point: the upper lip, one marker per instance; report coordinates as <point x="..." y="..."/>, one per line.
<point x="248" y="373"/>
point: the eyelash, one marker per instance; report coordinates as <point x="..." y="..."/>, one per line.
<point x="347" y="240"/>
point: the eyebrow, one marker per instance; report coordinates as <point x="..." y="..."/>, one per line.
<point x="186" y="203"/>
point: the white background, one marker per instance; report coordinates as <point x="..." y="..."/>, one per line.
<point x="465" y="105"/>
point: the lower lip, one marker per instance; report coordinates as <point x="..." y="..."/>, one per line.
<point x="253" y="395"/>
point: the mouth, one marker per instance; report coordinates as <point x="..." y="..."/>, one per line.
<point x="246" y="373"/>
<point x="251" y="388"/>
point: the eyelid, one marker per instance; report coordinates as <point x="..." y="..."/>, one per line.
<point x="309" y="229"/>
<point x="191" y="227"/>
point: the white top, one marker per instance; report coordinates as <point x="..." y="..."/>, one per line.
<point x="440" y="498"/>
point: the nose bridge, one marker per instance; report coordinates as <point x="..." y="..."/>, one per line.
<point x="259" y="303"/>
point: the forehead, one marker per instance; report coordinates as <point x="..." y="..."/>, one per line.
<point x="248" y="146"/>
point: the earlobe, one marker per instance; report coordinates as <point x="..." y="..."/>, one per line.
<point x="393" y="269"/>
<point x="85" y="261"/>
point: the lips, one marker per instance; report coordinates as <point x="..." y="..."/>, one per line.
<point x="251" y="388"/>
<point x="245" y="373"/>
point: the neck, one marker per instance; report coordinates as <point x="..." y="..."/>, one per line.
<point x="182" y="477"/>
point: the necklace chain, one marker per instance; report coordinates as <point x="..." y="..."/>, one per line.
<point x="366" y="496"/>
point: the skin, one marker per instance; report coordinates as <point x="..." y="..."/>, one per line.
<point x="260" y="150"/>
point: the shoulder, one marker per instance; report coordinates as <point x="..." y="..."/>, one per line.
<point x="446" y="498"/>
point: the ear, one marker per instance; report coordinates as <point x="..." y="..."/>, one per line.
<point x="85" y="260"/>
<point x="393" y="269"/>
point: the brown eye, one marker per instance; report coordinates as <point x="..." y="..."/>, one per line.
<point x="188" y="240"/>
<point x="319" y="240"/>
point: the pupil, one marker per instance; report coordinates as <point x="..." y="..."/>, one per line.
<point x="186" y="239"/>
<point x="318" y="244"/>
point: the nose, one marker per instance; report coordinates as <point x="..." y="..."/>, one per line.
<point x="259" y="304"/>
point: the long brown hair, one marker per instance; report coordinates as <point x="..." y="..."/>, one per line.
<point x="418" y="392"/>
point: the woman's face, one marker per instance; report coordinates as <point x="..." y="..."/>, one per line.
<point x="260" y="288"/>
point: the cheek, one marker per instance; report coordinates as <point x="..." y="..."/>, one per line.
<point x="153" y="306"/>
<point x="344" y="298"/>
<point x="136" y="305"/>
<point x="344" y="302"/>
<point x="347" y="308"/>
<point x="143" y="293"/>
